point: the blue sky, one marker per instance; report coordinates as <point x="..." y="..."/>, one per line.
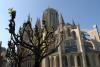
<point x="84" y="12"/>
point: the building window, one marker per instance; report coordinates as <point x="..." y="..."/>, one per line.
<point x="68" y="32"/>
<point x="74" y="34"/>
<point x="67" y="42"/>
<point x="79" y="61"/>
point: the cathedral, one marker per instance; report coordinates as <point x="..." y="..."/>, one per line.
<point x="80" y="48"/>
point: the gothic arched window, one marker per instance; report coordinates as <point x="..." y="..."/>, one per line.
<point x="74" y="34"/>
<point x="79" y="60"/>
<point x="68" y="32"/>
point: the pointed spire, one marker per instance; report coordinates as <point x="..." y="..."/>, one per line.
<point x="61" y="20"/>
<point x="0" y="43"/>
<point x="28" y="17"/>
<point x="48" y="6"/>
<point x="38" y="23"/>
<point x="29" y="20"/>
<point x="73" y="23"/>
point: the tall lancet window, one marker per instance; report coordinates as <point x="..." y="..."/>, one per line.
<point x="79" y="60"/>
<point x="74" y="34"/>
<point x="68" y="32"/>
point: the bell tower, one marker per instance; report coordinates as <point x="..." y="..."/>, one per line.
<point x="51" y="18"/>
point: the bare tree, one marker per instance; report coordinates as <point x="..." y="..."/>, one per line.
<point x="38" y="40"/>
<point x="13" y="55"/>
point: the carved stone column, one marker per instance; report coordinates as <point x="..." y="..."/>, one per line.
<point x="46" y="62"/>
<point x="84" y="64"/>
<point x="68" y="59"/>
<point x="75" y="61"/>
<point x="51" y="61"/>
<point x="91" y="60"/>
<point x="60" y="55"/>
<point x="56" y="62"/>
<point x="80" y="61"/>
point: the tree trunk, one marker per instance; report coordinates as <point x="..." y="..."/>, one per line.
<point x="19" y="64"/>
<point x="11" y="64"/>
<point x="19" y="61"/>
<point x="37" y="62"/>
<point x="15" y="64"/>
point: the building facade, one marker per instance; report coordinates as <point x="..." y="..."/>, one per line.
<point x="80" y="48"/>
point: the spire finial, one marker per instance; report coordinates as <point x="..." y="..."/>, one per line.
<point x="49" y="6"/>
<point x="29" y="17"/>
<point x="73" y="22"/>
<point x="38" y="22"/>
<point x="61" y="20"/>
<point x="0" y="43"/>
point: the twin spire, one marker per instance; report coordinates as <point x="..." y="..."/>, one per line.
<point x="39" y="24"/>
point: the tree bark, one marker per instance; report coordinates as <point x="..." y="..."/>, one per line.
<point x="11" y="64"/>
<point x="15" y="64"/>
<point x="37" y="62"/>
<point x="19" y="63"/>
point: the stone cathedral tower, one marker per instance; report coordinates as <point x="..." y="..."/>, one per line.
<point x="51" y="17"/>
